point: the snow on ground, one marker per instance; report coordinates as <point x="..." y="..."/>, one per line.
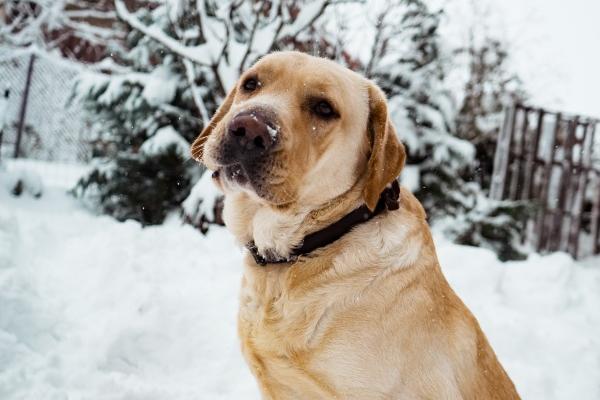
<point x="542" y="317"/>
<point x="56" y="174"/>
<point x="96" y="309"/>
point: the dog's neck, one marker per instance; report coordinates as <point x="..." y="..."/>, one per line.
<point x="276" y="232"/>
<point x="277" y="236"/>
<point x="280" y="235"/>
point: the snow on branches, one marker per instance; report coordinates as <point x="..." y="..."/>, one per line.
<point x="177" y="62"/>
<point x="80" y="29"/>
<point x="227" y="36"/>
<point x="178" y="59"/>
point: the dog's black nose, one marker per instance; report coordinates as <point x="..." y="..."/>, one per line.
<point x="251" y="133"/>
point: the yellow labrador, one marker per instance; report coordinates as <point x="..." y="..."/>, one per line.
<point x="342" y="295"/>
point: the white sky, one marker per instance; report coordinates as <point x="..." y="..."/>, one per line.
<point x="555" y="46"/>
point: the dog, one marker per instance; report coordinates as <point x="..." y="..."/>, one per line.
<point x="342" y="295"/>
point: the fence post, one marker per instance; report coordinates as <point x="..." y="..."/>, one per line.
<point x="501" y="156"/>
<point x="3" y="112"/>
<point x="23" y="111"/>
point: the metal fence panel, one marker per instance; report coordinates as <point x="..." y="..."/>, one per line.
<point x="53" y="130"/>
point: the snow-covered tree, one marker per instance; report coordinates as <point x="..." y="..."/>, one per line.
<point x="180" y="58"/>
<point x="409" y="62"/>
<point x="490" y="88"/>
<point x="76" y="29"/>
<point x="178" y="61"/>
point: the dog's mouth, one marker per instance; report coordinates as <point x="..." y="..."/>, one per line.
<point x="259" y="176"/>
<point x="233" y="173"/>
<point x="237" y="176"/>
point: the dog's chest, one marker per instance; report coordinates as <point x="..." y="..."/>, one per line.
<point x="267" y="314"/>
<point x="281" y="336"/>
<point x="293" y="341"/>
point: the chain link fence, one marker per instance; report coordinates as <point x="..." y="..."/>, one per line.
<point x="41" y="127"/>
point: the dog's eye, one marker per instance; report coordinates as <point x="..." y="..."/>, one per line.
<point x="323" y="109"/>
<point x="250" y="84"/>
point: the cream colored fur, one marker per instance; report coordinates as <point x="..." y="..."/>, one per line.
<point x="370" y="316"/>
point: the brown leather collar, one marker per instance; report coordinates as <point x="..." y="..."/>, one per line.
<point x="389" y="199"/>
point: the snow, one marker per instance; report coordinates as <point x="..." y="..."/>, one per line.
<point x="93" y="308"/>
<point x="97" y="309"/>
<point x="176" y="9"/>
<point x="202" y="55"/>
<point x="21" y="180"/>
<point x="544" y="37"/>
<point x="201" y="200"/>
<point x="56" y="174"/>
<point x="411" y="178"/>
<point x="163" y="138"/>
<point x="274" y="132"/>
<point x="161" y="86"/>
<point x="307" y="14"/>
<point x="541" y="317"/>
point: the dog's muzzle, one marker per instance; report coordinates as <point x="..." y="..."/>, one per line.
<point x="249" y="139"/>
<point x="250" y="135"/>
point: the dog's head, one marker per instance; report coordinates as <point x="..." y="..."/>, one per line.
<point x="298" y="129"/>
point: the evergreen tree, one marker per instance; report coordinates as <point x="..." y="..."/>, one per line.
<point x="489" y="90"/>
<point x="454" y="162"/>
<point x="175" y="66"/>
<point x="146" y="93"/>
<point x="408" y="62"/>
<point x="180" y="58"/>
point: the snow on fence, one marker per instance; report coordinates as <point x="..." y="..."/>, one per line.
<point x="39" y="123"/>
<point x="553" y="160"/>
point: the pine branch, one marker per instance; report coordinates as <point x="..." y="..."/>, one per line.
<point x="200" y="55"/>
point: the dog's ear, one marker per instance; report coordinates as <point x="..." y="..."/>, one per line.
<point x="198" y="145"/>
<point x="387" y="153"/>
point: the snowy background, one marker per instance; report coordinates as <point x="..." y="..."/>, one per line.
<point x="108" y="288"/>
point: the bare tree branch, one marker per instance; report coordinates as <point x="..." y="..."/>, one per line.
<point x="376" y="46"/>
<point x="198" y="54"/>
<point x="90" y="14"/>
<point x="250" y="40"/>
<point x="189" y="73"/>
<point x="307" y="17"/>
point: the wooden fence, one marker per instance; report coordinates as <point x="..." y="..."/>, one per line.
<point x="553" y="160"/>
